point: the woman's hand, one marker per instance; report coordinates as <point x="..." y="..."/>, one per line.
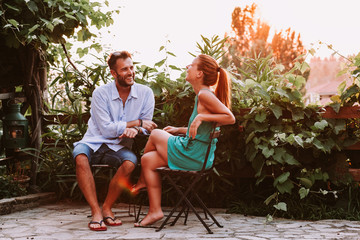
<point x="172" y="130"/>
<point x="194" y="126"/>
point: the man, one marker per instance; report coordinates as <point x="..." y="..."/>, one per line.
<point x="119" y="111"/>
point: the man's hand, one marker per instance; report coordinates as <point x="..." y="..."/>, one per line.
<point x="148" y="125"/>
<point x="129" y="133"/>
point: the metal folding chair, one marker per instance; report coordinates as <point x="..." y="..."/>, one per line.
<point x="187" y="189"/>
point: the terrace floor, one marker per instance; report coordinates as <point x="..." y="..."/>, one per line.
<point x="68" y="220"/>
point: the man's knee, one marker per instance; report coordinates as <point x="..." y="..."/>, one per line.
<point x="82" y="161"/>
<point x="127" y="167"/>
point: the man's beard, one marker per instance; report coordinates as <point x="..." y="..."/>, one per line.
<point x="122" y="82"/>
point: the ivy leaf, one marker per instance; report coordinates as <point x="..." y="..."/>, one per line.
<point x="289" y="159"/>
<point x="260" y="117"/>
<point x="306" y="182"/>
<point x="277" y="110"/>
<point x="269" y="218"/>
<point x="299" y="141"/>
<point x="267" y="152"/>
<point x="303" y="192"/>
<point x="340" y="125"/>
<point x="318" y="144"/>
<point x="297" y="114"/>
<point x="161" y="48"/>
<point x="97" y="47"/>
<point x="282" y="178"/>
<point x="279" y="155"/>
<point x="270" y="198"/>
<point x="285" y="187"/>
<point x="13" y="22"/>
<point x="82" y="51"/>
<point x="250" y="136"/>
<point x="321" y="124"/>
<point x="281" y="206"/>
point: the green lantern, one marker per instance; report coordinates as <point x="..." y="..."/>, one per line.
<point x="15" y="129"/>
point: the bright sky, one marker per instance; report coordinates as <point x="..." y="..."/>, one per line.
<point x="144" y="25"/>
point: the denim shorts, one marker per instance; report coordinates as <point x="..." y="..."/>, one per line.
<point x="105" y="155"/>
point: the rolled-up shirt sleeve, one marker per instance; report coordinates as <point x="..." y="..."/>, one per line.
<point x="147" y="111"/>
<point x="103" y="119"/>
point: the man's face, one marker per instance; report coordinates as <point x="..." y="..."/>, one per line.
<point x="124" y="72"/>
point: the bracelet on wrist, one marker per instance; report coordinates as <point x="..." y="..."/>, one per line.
<point x="137" y="128"/>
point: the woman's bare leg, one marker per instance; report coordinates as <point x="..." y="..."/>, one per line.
<point x="150" y="161"/>
<point x="157" y="137"/>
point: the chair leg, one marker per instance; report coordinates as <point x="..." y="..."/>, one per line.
<point x="184" y="198"/>
<point x="206" y="210"/>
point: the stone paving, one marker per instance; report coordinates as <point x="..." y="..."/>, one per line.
<point x="66" y="220"/>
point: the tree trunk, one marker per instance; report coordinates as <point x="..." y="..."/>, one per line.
<point x="33" y="67"/>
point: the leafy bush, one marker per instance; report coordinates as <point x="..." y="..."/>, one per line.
<point x="294" y="153"/>
<point x="10" y="188"/>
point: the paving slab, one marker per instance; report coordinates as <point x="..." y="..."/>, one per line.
<point x="68" y="220"/>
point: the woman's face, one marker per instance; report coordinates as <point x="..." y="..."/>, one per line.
<point x="192" y="70"/>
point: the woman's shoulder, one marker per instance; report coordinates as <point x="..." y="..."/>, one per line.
<point x="206" y="95"/>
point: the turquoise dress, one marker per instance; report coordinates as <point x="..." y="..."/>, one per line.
<point x="185" y="153"/>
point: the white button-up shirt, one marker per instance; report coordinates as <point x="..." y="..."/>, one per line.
<point x="109" y="115"/>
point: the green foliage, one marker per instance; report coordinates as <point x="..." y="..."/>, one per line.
<point x="10" y="188"/>
<point x="39" y="22"/>
<point x="284" y="140"/>
<point x="350" y="95"/>
<point x="291" y="148"/>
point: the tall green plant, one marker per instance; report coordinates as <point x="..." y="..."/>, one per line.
<point x="285" y="140"/>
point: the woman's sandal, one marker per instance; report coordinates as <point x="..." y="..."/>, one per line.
<point x="139" y="225"/>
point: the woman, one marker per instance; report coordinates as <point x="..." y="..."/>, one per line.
<point x="186" y="153"/>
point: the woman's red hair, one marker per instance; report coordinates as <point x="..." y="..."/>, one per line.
<point x="214" y="74"/>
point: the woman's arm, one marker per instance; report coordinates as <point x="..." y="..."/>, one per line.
<point x="175" y="130"/>
<point x="210" y="109"/>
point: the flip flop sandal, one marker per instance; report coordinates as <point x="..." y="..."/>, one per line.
<point x="101" y="228"/>
<point x="112" y="219"/>
<point x="139" y="225"/>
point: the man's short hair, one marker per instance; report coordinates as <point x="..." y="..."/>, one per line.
<point x="115" y="56"/>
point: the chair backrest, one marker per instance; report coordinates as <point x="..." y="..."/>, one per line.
<point x="214" y="134"/>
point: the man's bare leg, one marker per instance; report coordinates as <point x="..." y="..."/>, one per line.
<point x="87" y="185"/>
<point x="115" y="187"/>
